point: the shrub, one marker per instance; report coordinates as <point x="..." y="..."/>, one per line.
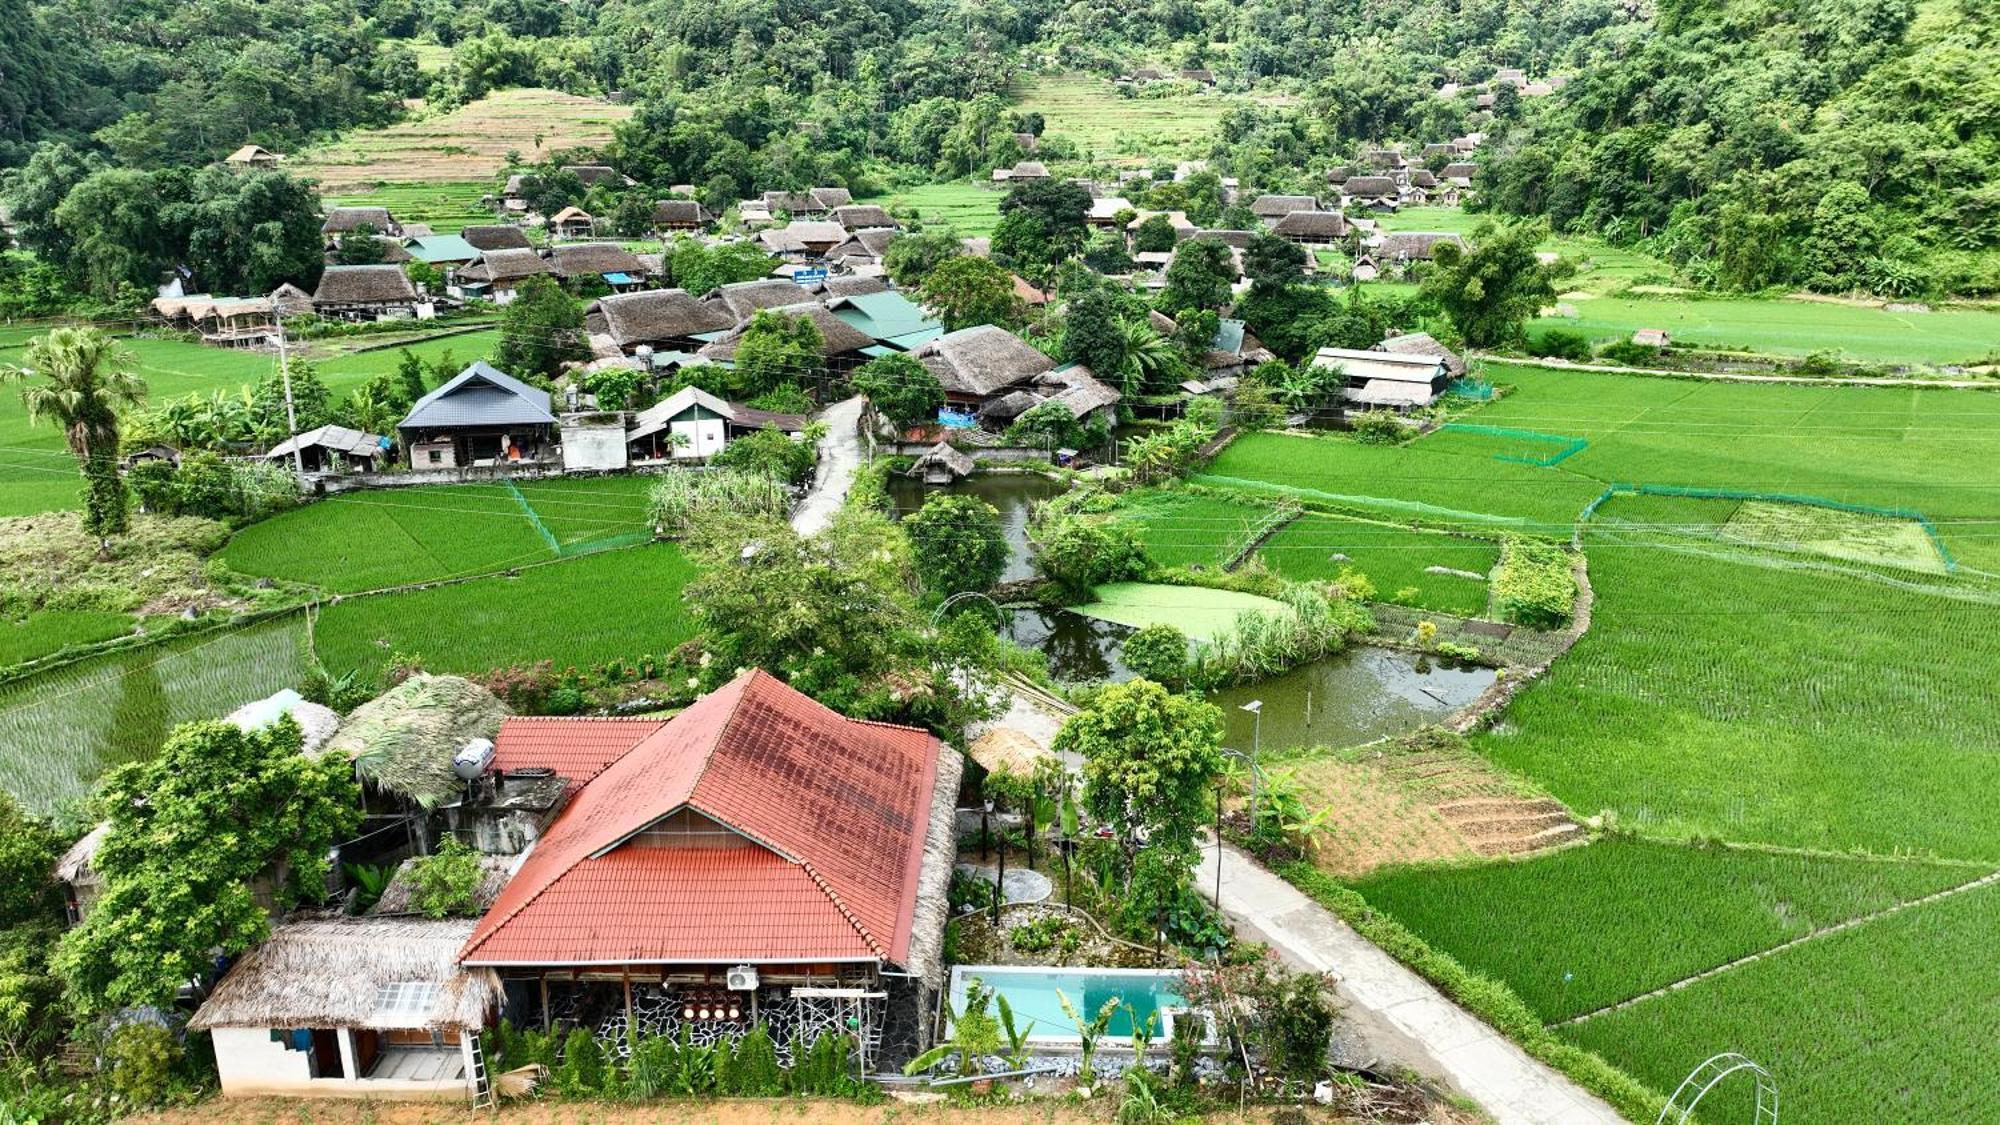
<point x="1380" y="427"/>
<point x="770" y="452"/>
<point x="1562" y="343"/>
<point x="682" y="502"/>
<point x="957" y="544"/>
<point x="1299" y="1025"/>
<point x="754" y="1072"/>
<point x="582" y="1071"/>
<point x="446" y="884"/>
<point x="1052" y="932"/>
<point x="1627" y="352"/>
<point x="1078" y="555"/>
<point x="140" y="1060"/>
<point x="1158" y="653"/>
<point x="1533" y="585"/>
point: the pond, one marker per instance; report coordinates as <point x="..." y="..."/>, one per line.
<point x="1035" y="995"/>
<point x="1013" y="494"/>
<point x="1357" y="695"/>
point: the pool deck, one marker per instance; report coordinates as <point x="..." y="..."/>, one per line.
<point x="1389" y="1001"/>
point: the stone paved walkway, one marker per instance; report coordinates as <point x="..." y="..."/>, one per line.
<point x="839" y="456"/>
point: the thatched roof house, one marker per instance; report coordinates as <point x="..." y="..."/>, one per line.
<point x="615" y="264"/>
<point x="403" y="741"/>
<point x="1424" y="344"/>
<point x="742" y="299"/>
<point x="252" y="156"/>
<point x="290" y="300"/>
<point x="498" y="236"/>
<point x="853" y="285"/>
<point x="680" y="214"/>
<point x="1006" y="750"/>
<point x="1270" y="207"/>
<point x="371" y="1007"/>
<point x="829" y="198"/>
<point x="837" y="337"/>
<point x="502" y="267"/>
<point x="803" y="237"/>
<point x="356" y="291"/>
<point x="657" y="318"/>
<point x="974" y="364"/>
<point x="943" y="463"/>
<point x="863" y="248"/>
<point x="1370" y="188"/>
<point x="862" y="216"/>
<point x="343" y="220"/>
<point x="1312" y="227"/>
<point x="1413" y="246"/>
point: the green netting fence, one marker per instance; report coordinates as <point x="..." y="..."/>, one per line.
<point x="564" y="550"/>
<point x="1561" y="446"/>
<point x="1692" y="493"/>
<point x="534" y="519"/>
<point x="1469" y="387"/>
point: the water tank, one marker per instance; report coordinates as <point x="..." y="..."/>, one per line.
<point x="473" y="758"/>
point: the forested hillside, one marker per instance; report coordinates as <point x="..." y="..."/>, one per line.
<point x="1835" y="144"/>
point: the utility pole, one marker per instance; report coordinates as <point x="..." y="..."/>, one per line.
<point x="291" y="414"/>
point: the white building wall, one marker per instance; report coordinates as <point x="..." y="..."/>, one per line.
<point x="249" y="1063"/>
<point x="590" y="447"/>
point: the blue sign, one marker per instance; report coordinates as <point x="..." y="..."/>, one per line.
<point x="804" y="277"/>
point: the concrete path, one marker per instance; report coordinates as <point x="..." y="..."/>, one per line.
<point x="839" y="456"/>
<point x="1451" y="1045"/>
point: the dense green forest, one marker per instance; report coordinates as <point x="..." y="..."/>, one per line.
<point x="1834" y="144"/>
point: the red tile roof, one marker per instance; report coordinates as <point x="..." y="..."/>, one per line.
<point x="578" y="749"/>
<point x="832" y="812"/>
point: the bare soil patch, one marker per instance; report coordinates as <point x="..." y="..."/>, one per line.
<point x="468" y="143"/>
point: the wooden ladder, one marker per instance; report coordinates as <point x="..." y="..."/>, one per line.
<point x="482" y="1080"/>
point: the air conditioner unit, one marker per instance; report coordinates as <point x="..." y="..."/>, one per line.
<point x="743" y="978"/>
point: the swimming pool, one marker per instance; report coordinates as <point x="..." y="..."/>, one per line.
<point x="1031" y="993"/>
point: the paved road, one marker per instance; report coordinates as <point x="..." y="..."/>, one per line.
<point x="839" y="456"/>
<point x="1396" y="1006"/>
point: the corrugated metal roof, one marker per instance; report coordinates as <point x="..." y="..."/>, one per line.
<point x="578" y="749"/>
<point x="480" y="395"/>
<point x="843" y="804"/>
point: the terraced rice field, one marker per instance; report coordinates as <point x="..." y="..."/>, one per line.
<point x="469" y="143"/>
<point x="371" y="540"/>
<point x="446" y="207"/>
<point x="1108" y="126"/>
<point x="61" y="729"/>
<point x="48" y="632"/>
<point x="1793" y="327"/>
<point x="581" y="612"/>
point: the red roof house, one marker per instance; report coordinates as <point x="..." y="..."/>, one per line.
<point x="757" y="827"/>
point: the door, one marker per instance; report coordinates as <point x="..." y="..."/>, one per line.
<point x="326" y="1054"/>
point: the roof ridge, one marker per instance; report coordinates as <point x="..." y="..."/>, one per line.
<point x="840" y="904"/>
<point x="482" y="933"/>
<point x="721" y="730"/>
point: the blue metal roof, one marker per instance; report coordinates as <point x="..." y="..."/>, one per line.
<point x="621" y="279"/>
<point x="480" y="395"/>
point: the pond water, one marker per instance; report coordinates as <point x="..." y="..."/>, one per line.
<point x="1031" y="992"/>
<point x="1013" y="494"/>
<point x="1358" y="695"/>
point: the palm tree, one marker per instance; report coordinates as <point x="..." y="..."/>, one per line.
<point x="1149" y="357"/>
<point x="81" y="380"/>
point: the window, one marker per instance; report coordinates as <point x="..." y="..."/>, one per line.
<point x="436" y="456"/>
<point x="406" y="997"/>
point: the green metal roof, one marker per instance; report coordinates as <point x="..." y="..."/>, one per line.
<point x="886" y="316"/>
<point x="441" y="248"/>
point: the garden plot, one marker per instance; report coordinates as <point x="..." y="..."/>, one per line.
<point x="1107" y="125"/>
<point x="1194" y="529"/>
<point x="1854" y="536"/>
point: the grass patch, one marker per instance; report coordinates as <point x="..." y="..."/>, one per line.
<point x="49" y="632"/>
<point x="1791" y="327"/>
<point x="578" y="612"/>
<point x="370" y="540"/>
<point x="1186" y="528"/>
<point x="1889" y="1021"/>
<point x="1620" y="918"/>
<point x="1201" y="613"/>
<point x="1108" y="126"/>
<point x="62" y="728"/>
<point x="446" y="207"/>
<point x="1393" y="557"/>
<point x="1855" y="536"/>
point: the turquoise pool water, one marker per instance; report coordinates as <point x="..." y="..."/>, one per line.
<point x="1031" y="993"/>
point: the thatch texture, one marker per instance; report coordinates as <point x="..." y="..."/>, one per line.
<point x="1006" y="750"/>
<point x="340" y="220"/>
<point x="317" y="723"/>
<point x="829" y="198"/>
<point x="933" y="906"/>
<point x="1423" y="343"/>
<point x="1370" y="187"/>
<point x="586" y="258"/>
<point x="981" y="360"/>
<point x="364" y="285"/>
<point x="1408" y="246"/>
<point x="946" y="457"/>
<point x="1278" y="206"/>
<point x="329" y="973"/>
<point x="743" y="299"/>
<point x="496" y="237"/>
<point x="504" y="265"/>
<point x="862" y="216"/>
<point x="654" y="316"/>
<point x="1312" y="225"/>
<point x="494" y="871"/>
<point x="681" y="213"/>
<point x="405" y="739"/>
<point x="837" y="337"/>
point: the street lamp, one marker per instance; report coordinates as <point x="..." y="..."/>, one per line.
<point x="1256" y="709"/>
<point x="985" y="829"/>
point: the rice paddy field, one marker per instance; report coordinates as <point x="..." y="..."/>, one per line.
<point x="466" y="144"/>
<point x="393" y="537"/>
<point x="1193" y="529"/>
<point x="37" y="474"/>
<point x="446" y="207"/>
<point x="1107" y="126"/>
<point x="581" y="612"/>
<point x="59" y="730"/>
<point x="1396" y="558"/>
<point x="970" y="209"/>
<point x="1790" y="327"/>
<point x="48" y="632"/>
<point x="1812" y="676"/>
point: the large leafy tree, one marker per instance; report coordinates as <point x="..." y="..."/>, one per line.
<point x="1199" y="277"/>
<point x="957" y="543"/>
<point x="79" y="379"/>
<point x="911" y="257"/>
<point x="701" y="269"/>
<point x="1150" y="763"/>
<point x="193" y="833"/>
<point x="540" y="329"/>
<point x="249" y="232"/>
<point x="1093" y="334"/>
<point x="776" y="350"/>
<point x="1491" y="290"/>
<point x="901" y="389"/>
<point x="965" y="292"/>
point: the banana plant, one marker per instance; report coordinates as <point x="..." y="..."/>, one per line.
<point x="1142" y="1034"/>
<point x="1017" y="1039"/>
<point x="1088" y="1034"/>
<point x="973" y="1033"/>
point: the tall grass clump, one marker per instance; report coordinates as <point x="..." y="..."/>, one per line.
<point x="682" y="501"/>
<point x="1262" y="645"/>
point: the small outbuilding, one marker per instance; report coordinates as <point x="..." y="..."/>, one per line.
<point x="1386" y="380"/>
<point x="333" y="449"/>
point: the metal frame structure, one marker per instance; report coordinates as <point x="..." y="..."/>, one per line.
<point x="1708" y="1076"/>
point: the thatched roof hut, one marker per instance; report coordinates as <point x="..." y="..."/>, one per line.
<point x="979" y="361"/>
<point x="654" y="316"/>
<point x="504" y="265"/>
<point x="497" y="236"/>
<point x="363" y="285"/>
<point x="404" y="740"/>
<point x="341" y="220"/>
<point x="862" y="216"/>
<point x="943" y="463"/>
<point x="1423" y="343"/>
<point x="331" y="973"/>
<point x="837" y="337"/>
<point x="588" y="258"/>
<point x="1006" y="750"/>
